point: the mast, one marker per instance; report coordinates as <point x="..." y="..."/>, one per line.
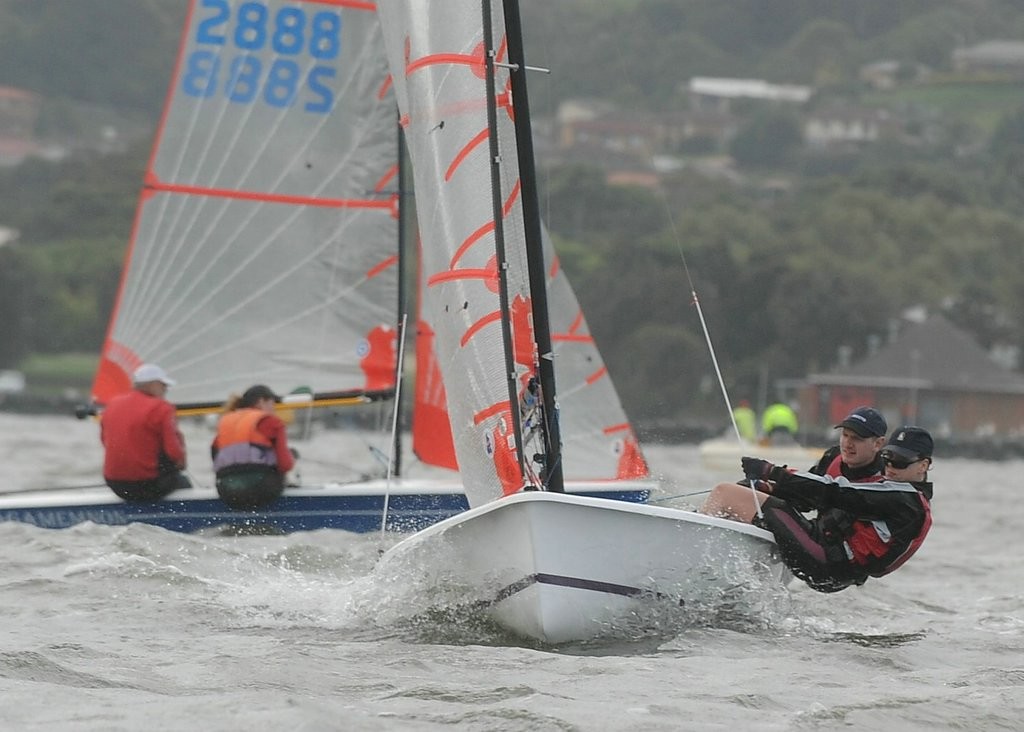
<point x="552" y="468"/>
<point x="403" y="258"/>
<point x="499" y="236"/>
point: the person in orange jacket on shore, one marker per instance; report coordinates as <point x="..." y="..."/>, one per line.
<point x="144" y="452"/>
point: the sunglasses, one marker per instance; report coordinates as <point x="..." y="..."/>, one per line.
<point x="900" y="463"/>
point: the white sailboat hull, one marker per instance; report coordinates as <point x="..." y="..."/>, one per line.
<point x="557" y="568"/>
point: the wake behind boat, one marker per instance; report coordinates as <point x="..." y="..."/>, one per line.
<point x="549" y="566"/>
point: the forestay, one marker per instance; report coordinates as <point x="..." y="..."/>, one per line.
<point x="265" y="243"/>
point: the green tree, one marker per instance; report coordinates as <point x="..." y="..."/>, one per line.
<point x="768" y="139"/>
<point x="14" y="281"/>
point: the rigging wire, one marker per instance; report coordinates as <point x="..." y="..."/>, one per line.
<point x="394" y="427"/>
<point x="677" y="239"/>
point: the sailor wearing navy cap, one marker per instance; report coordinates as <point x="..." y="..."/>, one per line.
<point x="861" y="530"/>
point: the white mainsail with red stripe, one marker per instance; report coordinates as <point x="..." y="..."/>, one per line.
<point x="439" y="67"/>
<point x="453" y="184"/>
<point x="265" y="244"/>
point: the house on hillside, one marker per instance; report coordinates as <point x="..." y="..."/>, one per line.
<point x="932" y="374"/>
<point x="713" y="93"/>
<point x="841" y="126"/>
<point x="1005" y="58"/>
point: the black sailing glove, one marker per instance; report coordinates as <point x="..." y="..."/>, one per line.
<point x="756" y="468"/>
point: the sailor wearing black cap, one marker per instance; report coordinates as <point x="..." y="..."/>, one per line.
<point x="861" y="530"/>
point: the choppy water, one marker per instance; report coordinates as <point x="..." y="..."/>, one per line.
<point x="126" y="628"/>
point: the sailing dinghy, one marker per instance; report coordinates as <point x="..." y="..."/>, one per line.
<point x="548" y="565"/>
<point x="266" y="249"/>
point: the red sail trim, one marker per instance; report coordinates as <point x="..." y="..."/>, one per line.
<point x="485" y="229"/>
<point x="612" y="429"/>
<point x="431" y="430"/>
<point x="386" y="178"/>
<point x="493" y="410"/>
<point x="156" y="184"/>
<point x="469" y="242"/>
<point x="113" y="376"/>
<point x="511" y="200"/>
<point x="460" y="274"/>
<point x="389" y="262"/>
<point x="464" y="152"/>
<point x="438" y="59"/>
<point x="385" y="87"/>
<point x="577" y="322"/>
<point x="631" y="462"/>
<point x="378" y="365"/>
<point x="571" y="338"/>
<point x="599" y="374"/>
<point x="479" y="325"/>
<point x="555" y="266"/>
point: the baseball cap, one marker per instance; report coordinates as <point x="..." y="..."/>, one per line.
<point x="148" y="372"/>
<point x="911" y="443"/>
<point x="866" y="422"/>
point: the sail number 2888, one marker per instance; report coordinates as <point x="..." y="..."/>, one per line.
<point x="244" y="77"/>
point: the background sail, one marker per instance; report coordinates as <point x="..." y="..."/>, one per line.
<point x="265" y="242"/>
<point x="598" y="440"/>
<point x="437" y="59"/>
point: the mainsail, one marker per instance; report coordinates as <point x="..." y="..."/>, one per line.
<point x="265" y="244"/>
<point x="431" y="49"/>
<point x="438" y="66"/>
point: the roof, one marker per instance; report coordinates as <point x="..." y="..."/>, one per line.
<point x="933" y="354"/>
<point x="751" y="88"/>
<point x="992" y="52"/>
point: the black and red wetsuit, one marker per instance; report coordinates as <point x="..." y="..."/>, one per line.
<point x="863" y="529"/>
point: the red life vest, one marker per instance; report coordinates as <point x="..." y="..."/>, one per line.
<point x="871" y="550"/>
<point x="863" y="539"/>
<point x="835" y="470"/>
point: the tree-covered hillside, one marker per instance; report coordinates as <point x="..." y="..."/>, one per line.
<point x="793" y="253"/>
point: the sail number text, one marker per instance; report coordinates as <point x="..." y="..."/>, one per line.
<point x="245" y="77"/>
